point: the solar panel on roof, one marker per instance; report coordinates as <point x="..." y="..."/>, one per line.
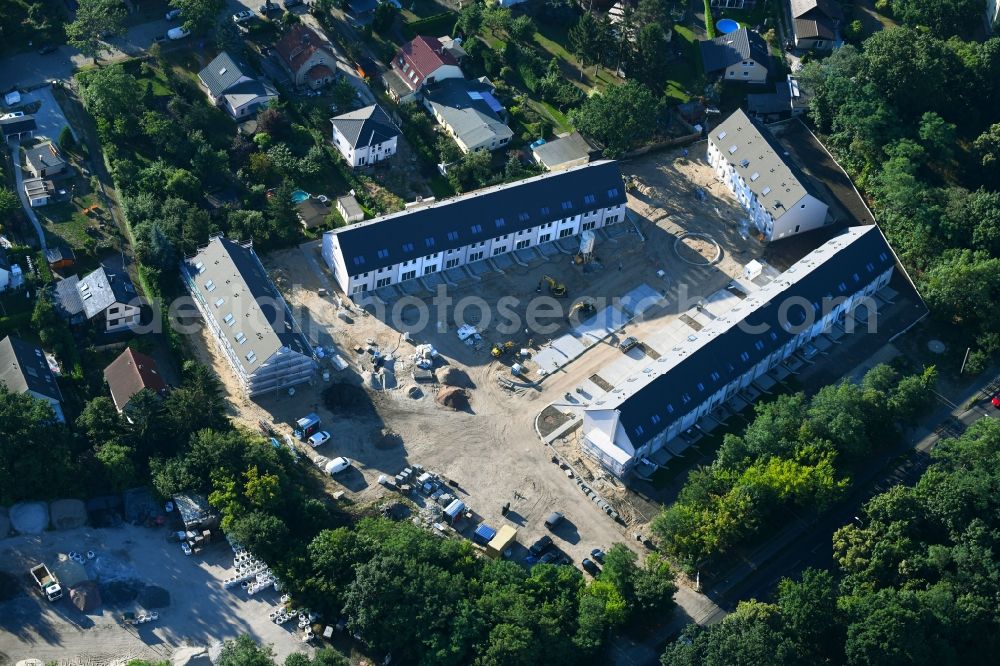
<point x="491" y="101"/>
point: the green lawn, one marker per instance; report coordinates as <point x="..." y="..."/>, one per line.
<point x="560" y="123"/>
<point x="684" y="74"/>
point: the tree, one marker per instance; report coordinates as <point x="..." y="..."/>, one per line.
<point x="99" y="421"/>
<point x="620" y="117"/>
<point x="184" y="184"/>
<point x="473" y="171"/>
<point x="945" y="18"/>
<point x="198" y="15"/>
<point x="496" y="18"/>
<point x="245" y="652"/>
<point x="385" y="16"/>
<point x="199" y="402"/>
<point x="584" y="39"/>
<point x="810" y="615"/>
<point x="937" y="135"/>
<point x="116" y="459"/>
<point x="522" y="29"/>
<point x="470" y="19"/>
<point x="27" y="426"/>
<point x="646" y="65"/>
<point x="987" y="147"/>
<point x="148" y="424"/>
<point x="95" y="21"/>
<point x="8" y="204"/>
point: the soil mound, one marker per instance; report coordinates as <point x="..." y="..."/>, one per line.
<point x="154" y="596"/>
<point x="29" y="517"/>
<point x="121" y="592"/>
<point x="451" y="376"/>
<point x="85" y="596"/>
<point x="68" y="514"/>
<point x="453" y="397"/>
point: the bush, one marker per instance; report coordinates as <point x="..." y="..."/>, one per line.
<point x="710" y="22"/>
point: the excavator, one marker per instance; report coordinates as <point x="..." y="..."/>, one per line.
<point x="499" y="350"/>
<point x="582" y="309"/>
<point x="557" y="289"/>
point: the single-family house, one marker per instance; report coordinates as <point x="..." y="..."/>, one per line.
<point x="232" y="86"/>
<point x="249" y="320"/>
<point x="365" y="136"/>
<point x="44" y="160"/>
<point x="308" y="57"/>
<point x="350" y="209"/>
<point x="646" y="416"/>
<point x="105" y="297"/>
<point x="441" y="235"/>
<point x="741" y="55"/>
<point x="787" y="101"/>
<point x="130" y="373"/>
<point x="565" y="152"/>
<point x="60" y="257"/>
<point x="39" y="191"/>
<point x="18" y="128"/>
<point x="421" y="61"/>
<point x="781" y="200"/>
<point x="470" y="113"/>
<point x="25" y="369"/>
<point x="816" y="23"/>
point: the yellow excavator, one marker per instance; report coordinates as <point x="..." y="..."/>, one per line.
<point x="582" y="309"/>
<point x="557" y="289"/>
<point x="499" y="350"/>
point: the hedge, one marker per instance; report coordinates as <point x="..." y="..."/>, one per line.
<point x="438" y="25"/>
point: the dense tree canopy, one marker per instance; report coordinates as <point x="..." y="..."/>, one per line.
<point x="620" y="117"/>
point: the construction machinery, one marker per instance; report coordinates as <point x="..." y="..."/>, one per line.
<point x="557" y="289"/>
<point x="499" y="350"/>
<point x="582" y="309"/>
<point x="47" y="582"/>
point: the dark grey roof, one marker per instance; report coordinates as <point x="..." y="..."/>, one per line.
<point x="733" y="352"/>
<point x="743" y="44"/>
<point x="816" y="8"/>
<point x="23" y="123"/>
<point x="59" y="253"/>
<point x="44" y="155"/>
<point x="222" y="73"/>
<point x="496" y="211"/>
<point x="23" y="368"/>
<point x="787" y="96"/>
<point x="103" y="288"/>
<point x="67" y="296"/>
<point x="364" y="127"/>
<point x="469" y="109"/>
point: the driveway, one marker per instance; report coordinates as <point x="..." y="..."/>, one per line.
<point x="49" y="117"/>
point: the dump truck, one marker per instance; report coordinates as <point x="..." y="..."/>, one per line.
<point x="47" y="582"/>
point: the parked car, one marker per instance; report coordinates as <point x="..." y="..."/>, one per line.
<point x="243" y="16"/>
<point x="173" y="14"/>
<point x="269" y="8"/>
<point x="598" y="555"/>
<point x="178" y="33"/>
<point x="549" y="557"/>
<point x="995" y="400"/>
<point x="319" y="438"/>
<point x="628" y="343"/>
<point x="554" y="519"/>
<point x="185" y="547"/>
<point x="48" y="48"/>
<point x="337" y="465"/>
<point x="590" y="567"/>
<point x="541" y="545"/>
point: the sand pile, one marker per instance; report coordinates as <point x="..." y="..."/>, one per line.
<point x="68" y="514"/>
<point x="451" y="376"/>
<point x="29" y="517"/>
<point x="85" y="596"/>
<point x="453" y="398"/>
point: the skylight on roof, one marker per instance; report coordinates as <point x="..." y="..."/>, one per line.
<point x="500" y="222"/>
<point x="210" y="286"/>
<point x="566" y="205"/>
<point x="452" y="235"/>
<point x="407" y="247"/>
<point x="722" y="134"/>
<point x="219" y="302"/>
<point x="200" y="267"/>
<point x="429" y="241"/>
<point x="359" y="260"/>
<point x="589" y="199"/>
<point x="476" y="228"/>
<point x="765" y="191"/>
<point x="229" y="319"/>
<point x="754" y="176"/>
<point x="383" y="253"/>
<point x="240" y="338"/>
<point x="251" y="356"/>
<point x="732" y="149"/>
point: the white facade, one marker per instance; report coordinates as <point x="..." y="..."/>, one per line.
<point x="779" y="203"/>
<point x="364" y="154"/>
<point x="607" y="440"/>
<point x="121" y="316"/>
<point x="749" y="71"/>
<point x="447" y="259"/>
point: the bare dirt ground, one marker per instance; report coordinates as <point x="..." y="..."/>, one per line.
<point x="127" y="561"/>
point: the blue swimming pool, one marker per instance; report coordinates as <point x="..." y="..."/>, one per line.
<point x="298" y="196"/>
<point x="726" y="26"/>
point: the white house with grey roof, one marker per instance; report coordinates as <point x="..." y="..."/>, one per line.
<point x="249" y="320"/>
<point x="469" y="112"/>
<point x="234" y="87"/>
<point x="365" y="136"/>
<point x="741" y="55"/>
<point x="654" y="406"/>
<point x="24" y="369"/>
<point x="781" y="200"/>
<point x="475" y="226"/>
<point x="105" y="296"/>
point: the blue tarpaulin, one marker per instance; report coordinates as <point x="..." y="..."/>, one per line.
<point x="484" y="533"/>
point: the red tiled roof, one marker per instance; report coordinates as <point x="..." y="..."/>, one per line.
<point x="298" y="45"/>
<point x="130" y="373"/>
<point x="424" y="55"/>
